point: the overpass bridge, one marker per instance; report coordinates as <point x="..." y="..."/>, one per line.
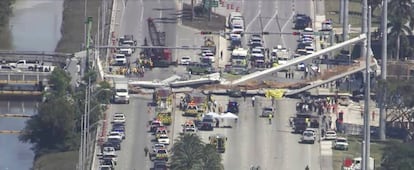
<point x="44" y="56"/>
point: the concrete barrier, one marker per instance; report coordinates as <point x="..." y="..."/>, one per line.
<point x="15" y="115"/>
<point x="10" y="131"/>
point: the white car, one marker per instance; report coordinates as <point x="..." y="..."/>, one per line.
<point x="108" y="150"/>
<point x="308" y="137"/>
<point x="119" y="118"/>
<point x="117" y="134"/>
<point x="163" y="139"/>
<point x="341" y="144"/>
<point x="190" y="130"/>
<point x="301" y="67"/>
<point x="314" y="131"/>
<point x="185" y="60"/>
<point x="330" y="135"/>
<point x="256" y="52"/>
<point x="120" y="59"/>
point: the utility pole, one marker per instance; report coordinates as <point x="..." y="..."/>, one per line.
<point x="345" y="24"/>
<point x="384" y="58"/>
<point x="364" y="53"/>
<point x="88" y="42"/>
<point x="192" y="10"/>
<point x="88" y="112"/>
<point x="209" y="9"/>
<point x="341" y="12"/>
<point x="367" y="128"/>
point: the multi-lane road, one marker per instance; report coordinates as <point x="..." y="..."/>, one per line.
<point x="252" y="140"/>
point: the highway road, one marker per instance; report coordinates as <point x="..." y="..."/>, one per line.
<point x="254" y="142"/>
<point x="274" y="16"/>
<point x="132" y="155"/>
<point x="133" y="20"/>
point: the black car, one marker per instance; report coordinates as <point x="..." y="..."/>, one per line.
<point x="302" y="21"/>
<point x="160" y="165"/>
<point x="233" y="107"/>
<point x="205" y="126"/>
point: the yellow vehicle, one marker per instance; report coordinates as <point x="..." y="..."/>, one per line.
<point x="191" y="110"/>
<point x="161" y="154"/>
<point x="195" y="103"/>
<point x="164" y="117"/>
<point x="219" y="141"/>
<point x="160" y="131"/>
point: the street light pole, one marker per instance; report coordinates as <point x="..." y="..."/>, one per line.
<point x="384" y="58"/>
<point x="367" y="128"/>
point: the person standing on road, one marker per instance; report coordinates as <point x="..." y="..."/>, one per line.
<point x="253" y="100"/>
<point x="270" y="118"/>
<point x="146" y="151"/>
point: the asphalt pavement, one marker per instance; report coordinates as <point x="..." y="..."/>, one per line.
<point x="252" y="141"/>
<point x="132" y="156"/>
<point x="132" y="18"/>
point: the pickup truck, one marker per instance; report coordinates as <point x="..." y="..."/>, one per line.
<point x="24" y="64"/>
<point x="32" y="65"/>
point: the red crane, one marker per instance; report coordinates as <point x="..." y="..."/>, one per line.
<point x="159" y="57"/>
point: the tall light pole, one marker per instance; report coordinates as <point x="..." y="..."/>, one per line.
<point x="367" y="128"/>
<point x="345" y="24"/>
<point x="384" y="57"/>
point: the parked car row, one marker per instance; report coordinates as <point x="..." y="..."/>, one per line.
<point x="121" y="56"/>
<point x="108" y="159"/>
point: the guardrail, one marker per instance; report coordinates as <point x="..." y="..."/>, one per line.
<point x="20" y="93"/>
<point x="23" y="77"/>
<point x="15" y="115"/>
<point x="10" y="131"/>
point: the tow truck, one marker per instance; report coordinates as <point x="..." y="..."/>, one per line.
<point x="219" y="141"/>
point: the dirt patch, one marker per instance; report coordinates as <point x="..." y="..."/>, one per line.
<point x="200" y="20"/>
<point x="53" y="161"/>
<point x="73" y="23"/>
<point x="5" y="38"/>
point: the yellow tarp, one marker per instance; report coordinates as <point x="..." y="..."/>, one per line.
<point x="276" y="94"/>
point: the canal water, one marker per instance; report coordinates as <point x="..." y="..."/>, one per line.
<point x="35" y="26"/>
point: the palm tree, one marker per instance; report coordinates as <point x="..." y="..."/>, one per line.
<point x="402" y="14"/>
<point x="190" y="153"/>
<point x="186" y="152"/>
<point x="212" y="159"/>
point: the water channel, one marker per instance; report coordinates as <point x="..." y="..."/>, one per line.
<point x="35" y="26"/>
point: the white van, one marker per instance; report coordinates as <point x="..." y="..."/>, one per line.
<point x="121" y="94"/>
<point x="237" y="26"/>
<point x="234" y="16"/>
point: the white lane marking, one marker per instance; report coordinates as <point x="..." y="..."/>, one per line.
<point x="270" y="20"/>
<point x="255" y="17"/>
<point x="142" y="11"/>
<point x="284" y="26"/>
<point x="159" y="2"/>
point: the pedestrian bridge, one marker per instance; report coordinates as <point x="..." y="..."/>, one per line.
<point x="44" y="56"/>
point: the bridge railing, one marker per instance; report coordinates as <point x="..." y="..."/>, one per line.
<point x="23" y="77"/>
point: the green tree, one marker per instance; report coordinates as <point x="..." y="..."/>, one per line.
<point x="211" y="159"/>
<point x="399" y="104"/>
<point x="401" y="22"/>
<point x="6" y="11"/>
<point x="53" y="128"/>
<point x="398" y="156"/>
<point x="60" y="82"/>
<point x="190" y="153"/>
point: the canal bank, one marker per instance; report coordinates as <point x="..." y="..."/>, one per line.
<point x="38" y="26"/>
<point x="34" y="26"/>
